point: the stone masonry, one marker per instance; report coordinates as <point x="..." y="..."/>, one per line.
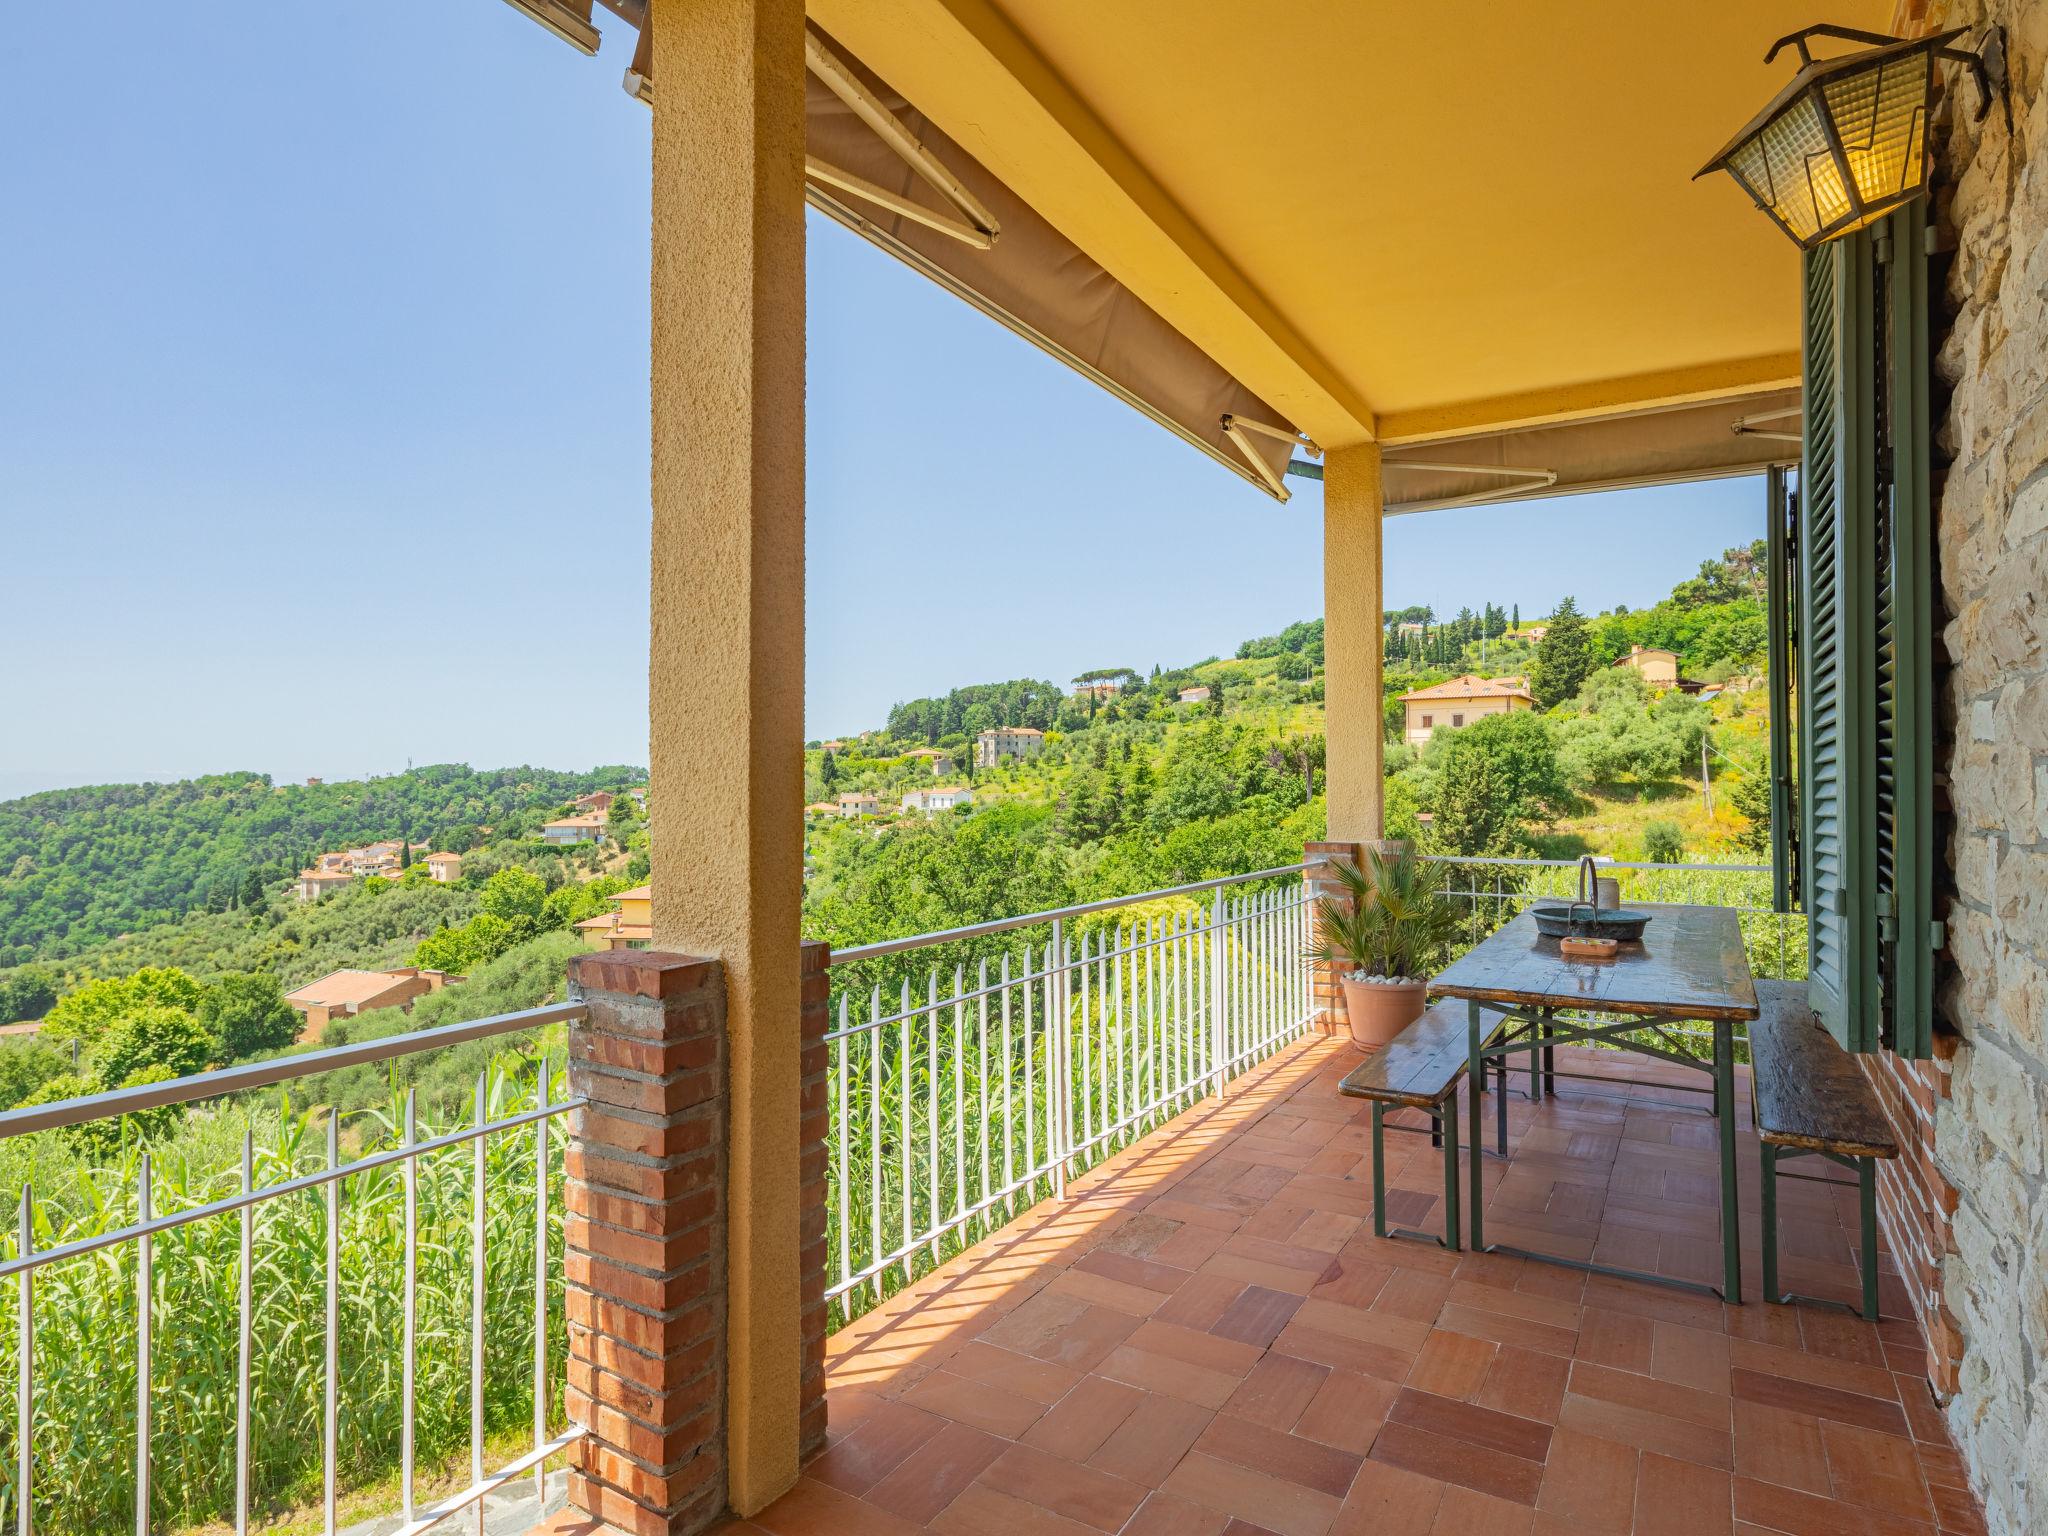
<point x="1987" y="1100"/>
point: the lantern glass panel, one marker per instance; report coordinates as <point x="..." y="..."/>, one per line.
<point x="1881" y="116"/>
<point x="1799" y="179"/>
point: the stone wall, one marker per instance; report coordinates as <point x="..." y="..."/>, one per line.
<point x="1991" y="518"/>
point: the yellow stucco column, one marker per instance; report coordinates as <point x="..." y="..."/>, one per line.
<point x="727" y="664"/>
<point x="1352" y="636"/>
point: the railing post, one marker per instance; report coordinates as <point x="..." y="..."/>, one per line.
<point x="1219" y="1032"/>
<point x="1060" y="1107"/>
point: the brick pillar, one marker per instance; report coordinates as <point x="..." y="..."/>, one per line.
<point x="646" y="1252"/>
<point x="1326" y="997"/>
<point x="816" y="1120"/>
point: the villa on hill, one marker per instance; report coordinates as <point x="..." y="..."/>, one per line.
<point x="567" y="831"/>
<point x="332" y="871"/>
<point x="1015" y="743"/>
<point x="1459" y="702"/>
<point x="346" y="993"/>
<point x="1653" y="664"/>
<point x="940" y="799"/>
<point x="629" y="924"/>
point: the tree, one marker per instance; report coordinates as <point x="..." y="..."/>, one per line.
<point x="828" y="769"/>
<point x="26" y="993"/>
<point x="93" y="1009"/>
<point x="1491" y="779"/>
<point x="246" y="1012"/>
<point x="512" y="894"/>
<point x="1563" y="658"/>
<point x="1750" y="793"/>
<point x="1663" y="842"/>
<point x="154" y="1035"/>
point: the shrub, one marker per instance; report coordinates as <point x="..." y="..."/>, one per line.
<point x="1663" y="843"/>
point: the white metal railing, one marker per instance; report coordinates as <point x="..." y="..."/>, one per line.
<point x="1775" y="941"/>
<point x="324" y="1185"/>
<point x="973" y="1071"/>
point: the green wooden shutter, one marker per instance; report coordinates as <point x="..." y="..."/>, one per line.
<point x="1905" y="725"/>
<point x="1864" y="627"/>
<point x="1838" y="639"/>
<point x="1783" y="513"/>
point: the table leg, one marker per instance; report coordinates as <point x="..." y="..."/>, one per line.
<point x="1475" y="1079"/>
<point x="1731" y="1218"/>
<point x="1549" y="1056"/>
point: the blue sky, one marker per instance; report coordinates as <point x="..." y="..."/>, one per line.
<point x="323" y="436"/>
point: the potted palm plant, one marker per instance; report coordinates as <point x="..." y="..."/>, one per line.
<point x="1391" y="927"/>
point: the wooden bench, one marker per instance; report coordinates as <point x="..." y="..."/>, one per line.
<point x="1811" y="1099"/>
<point x="1420" y="1068"/>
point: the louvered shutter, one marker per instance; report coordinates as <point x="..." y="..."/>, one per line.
<point x="1905" y="623"/>
<point x="1838" y="637"/>
<point x="1782" y="509"/>
<point x="1864" y="631"/>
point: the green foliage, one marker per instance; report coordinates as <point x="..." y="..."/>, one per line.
<point x="1663" y="842"/>
<point x="27" y="993"/>
<point x="513" y="894"/>
<point x="1621" y="733"/>
<point x="93" y="1009"/>
<point x="981" y="707"/>
<point x="25" y="1065"/>
<point x="1303" y="639"/>
<point x="1749" y="792"/>
<point x="246" y="1012"/>
<point x="1563" y="658"/>
<point x="1393" y="918"/>
<point x="1489" y="779"/>
<point x="153" y="1035"/>
<point x="79" y="866"/>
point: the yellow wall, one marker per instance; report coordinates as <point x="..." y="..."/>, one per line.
<point x="727" y="663"/>
<point x="1352" y="636"/>
<point x="1440" y="712"/>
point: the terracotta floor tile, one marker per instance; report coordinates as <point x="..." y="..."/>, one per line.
<point x="1288" y="1457"/>
<point x="980" y="1510"/>
<point x="1803" y="1514"/>
<point x="1168" y="1514"/>
<point x="1042" y="1381"/>
<point x="889" y="1432"/>
<point x="933" y="1475"/>
<point x="1776" y="1445"/>
<point x="1147" y="1446"/>
<point x="1690" y="1357"/>
<point x="1062" y="1329"/>
<point x="1618" y="1339"/>
<point x="1465" y="1513"/>
<point x="1256" y="1316"/>
<point x="1279" y="1506"/>
<point x="1877" y="1471"/>
<point x="1076" y="1426"/>
<point x="1092" y="1497"/>
<point x="1821" y="1402"/>
<point x="1452" y="1365"/>
<point x="1277" y="1391"/>
<point x="1681" y="1498"/>
<point x="1386" y="1500"/>
<point x="1710" y="1410"/>
<point x="1347" y="1411"/>
<point x="1526" y="1383"/>
<point x="1646" y="1431"/>
<point x="1466" y="1421"/>
<point x="812" y="1509"/>
<point x="1064" y="1377"/>
<point x="1589" y="1484"/>
<point x="974" y="1402"/>
<point x="1458" y="1461"/>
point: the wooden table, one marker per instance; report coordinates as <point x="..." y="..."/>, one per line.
<point x="1689" y="967"/>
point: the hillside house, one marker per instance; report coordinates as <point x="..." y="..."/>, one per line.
<point x="1459" y="702"/>
<point x="629" y="924"/>
<point x="315" y="883"/>
<point x="1653" y="664"/>
<point x="1007" y="743"/>
<point x="938" y="799"/>
<point x="940" y="763"/>
<point x="444" y="868"/>
<point x="344" y="994"/>
<point x="1107" y="688"/>
<point x="567" y="831"/>
<point x="859" y="802"/>
<point x="1197" y="695"/>
<point x="597" y="802"/>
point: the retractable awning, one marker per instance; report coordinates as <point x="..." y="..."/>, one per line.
<point x="877" y="166"/>
<point x="1742" y="435"/>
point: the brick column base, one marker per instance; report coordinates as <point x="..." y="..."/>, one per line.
<point x="814" y="1125"/>
<point x="645" y="1229"/>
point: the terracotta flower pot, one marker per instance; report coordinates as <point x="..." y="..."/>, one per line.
<point x="1378" y="1010"/>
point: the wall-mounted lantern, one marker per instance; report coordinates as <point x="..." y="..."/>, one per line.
<point x="1846" y="139"/>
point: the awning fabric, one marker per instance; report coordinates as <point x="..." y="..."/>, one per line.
<point x="1032" y="279"/>
<point x="1688" y="442"/>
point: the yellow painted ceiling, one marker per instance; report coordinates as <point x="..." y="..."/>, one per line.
<point x="1393" y="220"/>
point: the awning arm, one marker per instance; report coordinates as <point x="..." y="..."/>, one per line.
<point x="930" y="218"/>
<point x="1234" y="429"/>
<point x="1745" y="426"/>
<point x="1282" y="434"/>
<point x="1532" y="480"/>
<point x="869" y="108"/>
